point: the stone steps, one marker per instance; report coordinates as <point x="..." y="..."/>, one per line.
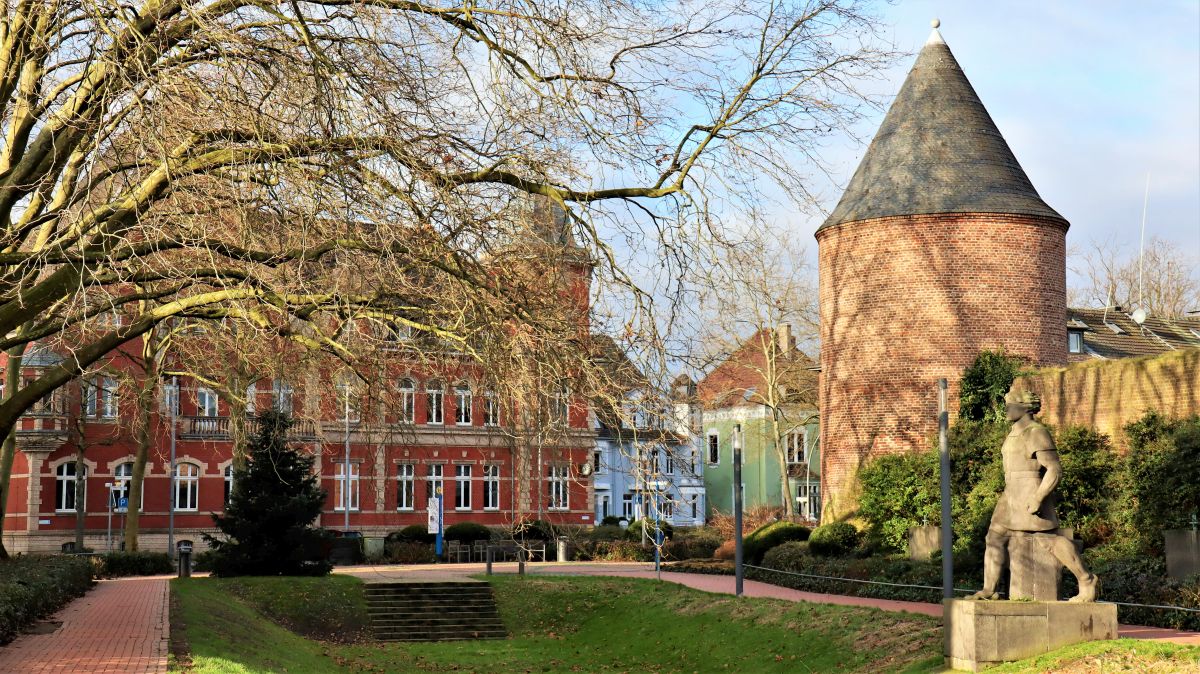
<point x="433" y="611"/>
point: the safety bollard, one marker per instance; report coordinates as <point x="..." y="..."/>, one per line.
<point x="491" y="554"/>
<point x="521" y="561"/>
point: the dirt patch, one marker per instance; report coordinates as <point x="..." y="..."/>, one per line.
<point x="44" y="627"/>
<point x="178" y="644"/>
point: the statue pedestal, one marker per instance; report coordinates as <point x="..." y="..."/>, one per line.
<point x="1033" y="571"/>
<point x="984" y="633"/>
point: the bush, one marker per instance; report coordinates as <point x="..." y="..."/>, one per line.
<point x="795" y="558"/>
<point x="409" y="552"/>
<point x="467" y="532"/>
<point x="634" y="531"/>
<point x="614" y="551"/>
<point x="413" y="533"/>
<point x="202" y="561"/>
<point x="752" y="518"/>
<point x="699" y="543"/>
<point x="534" y="530"/>
<point x="606" y="532"/>
<point x="1163" y="477"/>
<point x="769" y="536"/>
<point x="725" y="551"/>
<point x="900" y="491"/>
<point x="833" y="540"/>
<point x="140" y="563"/>
<point x="610" y="521"/>
<point x="984" y="384"/>
<point x="32" y="587"/>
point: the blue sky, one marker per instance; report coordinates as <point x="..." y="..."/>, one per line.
<point x="1090" y="96"/>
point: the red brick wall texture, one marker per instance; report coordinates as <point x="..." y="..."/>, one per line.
<point x="1108" y="394"/>
<point x="907" y="300"/>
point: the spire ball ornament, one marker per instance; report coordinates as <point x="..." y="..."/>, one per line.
<point x="935" y="23"/>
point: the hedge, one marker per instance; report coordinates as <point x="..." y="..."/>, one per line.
<point x="140" y="563"/>
<point x="614" y="551"/>
<point x="413" y="533"/>
<point x="32" y="587"/>
<point x="768" y="536"/>
<point x="834" y="539"/>
<point x="467" y="532"/>
<point x="409" y="552"/>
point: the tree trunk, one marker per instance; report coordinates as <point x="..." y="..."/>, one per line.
<point x="80" y="497"/>
<point x="12" y="379"/>
<point x="785" y="488"/>
<point x="144" y="437"/>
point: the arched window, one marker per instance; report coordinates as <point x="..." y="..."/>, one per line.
<point x="64" y="487"/>
<point x="435" y="406"/>
<point x="187" y="486"/>
<point x="462" y="404"/>
<point x="281" y="396"/>
<point x="562" y="404"/>
<point x="206" y="402"/>
<point x="122" y="481"/>
<point x="251" y="399"/>
<point x="491" y="409"/>
<point x="228" y="483"/>
<point x="408" y="395"/>
<point x="347" y="397"/>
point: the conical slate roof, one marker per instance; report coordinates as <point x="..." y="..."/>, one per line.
<point x="938" y="151"/>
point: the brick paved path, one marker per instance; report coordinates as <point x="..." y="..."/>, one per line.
<point x="120" y="626"/>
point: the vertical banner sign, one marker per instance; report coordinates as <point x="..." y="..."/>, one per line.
<point x="435" y="514"/>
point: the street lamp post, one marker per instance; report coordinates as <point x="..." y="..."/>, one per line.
<point x="171" y="499"/>
<point x="346" y="468"/>
<point x="737" y="509"/>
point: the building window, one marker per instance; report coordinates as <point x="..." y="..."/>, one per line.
<point x="251" y="399"/>
<point x="434" y="395"/>
<point x="433" y="480"/>
<point x="652" y="469"/>
<point x="627" y="506"/>
<point x="281" y="396"/>
<point x="666" y="508"/>
<point x="339" y="490"/>
<point x="491" y="409"/>
<point x="100" y="398"/>
<point x="348" y="398"/>
<point x="714" y="449"/>
<point x="462" y="487"/>
<point x="408" y="396"/>
<point x="808" y="500"/>
<point x="692" y="452"/>
<point x="64" y="487"/>
<point x="669" y="461"/>
<point x="187" y="486"/>
<point x="170" y="399"/>
<point x="562" y="405"/>
<point x="491" y="487"/>
<point x="597" y="464"/>
<point x="796" y="445"/>
<point x="462" y="405"/>
<point x="206" y="402"/>
<point x="228" y="483"/>
<point x="406" y="488"/>
<point x="559" y="475"/>
<point x="1075" y="341"/>
<point x="122" y="479"/>
<point x="694" y="503"/>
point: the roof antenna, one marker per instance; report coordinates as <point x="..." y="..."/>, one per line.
<point x="1139" y="314"/>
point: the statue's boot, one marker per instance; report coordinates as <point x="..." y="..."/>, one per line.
<point x="984" y="595"/>
<point x="1087" y="588"/>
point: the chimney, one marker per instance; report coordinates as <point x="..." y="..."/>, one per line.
<point x="786" y="343"/>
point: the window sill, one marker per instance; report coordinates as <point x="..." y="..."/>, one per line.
<point x="404" y="510"/>
<point x="492" y="510"/>
<point x="462" y="510"/>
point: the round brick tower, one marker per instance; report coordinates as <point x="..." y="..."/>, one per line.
<point x="939" y="248"/>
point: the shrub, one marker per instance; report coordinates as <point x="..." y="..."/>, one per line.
<point x="1163" y="476"/>
<point x="752" y="518"/>
<point x="610" y="521"/>
<point x="614" y="551"/>
<point x="984" y="384"/>
<point x="467" y="532"/>
<point x="534" y="530"/>
<point x="725" y="551"/>
<point x="606" y="532"/>
<point x="413" y="533"/>
<point x="699" y="543"/>
<point x="833" y="540"/>
<point x="769" y="536"/>
<point x="900" y="491"/>
<point x="202" y="561"/>
<point x="409" y="552"/>
<point x="32" y="587"/>
<point x="634" y="531"/>
<point x="267" y="525"/>
<point x="138" y="563"/>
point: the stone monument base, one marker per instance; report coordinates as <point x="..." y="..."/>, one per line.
<point x="984" y="633"/>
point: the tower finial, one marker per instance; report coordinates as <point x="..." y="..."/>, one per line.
<point x="935" y="37"/>
<point x="936" y="23"/>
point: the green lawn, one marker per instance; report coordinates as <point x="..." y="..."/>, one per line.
<point x="561" y="624"/>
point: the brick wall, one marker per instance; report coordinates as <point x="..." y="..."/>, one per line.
<point x="1107" y="394"/>
<point x="907" y="300"/>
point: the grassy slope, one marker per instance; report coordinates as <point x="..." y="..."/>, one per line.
<point x="598" y="624"/>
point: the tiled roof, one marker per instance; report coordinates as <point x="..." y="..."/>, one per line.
<point x="938" y="151"/>
<point x="741" y="376"/>
<point x="1113" y="334"/>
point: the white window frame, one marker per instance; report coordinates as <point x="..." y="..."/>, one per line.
<point x="101" y="397"/>
<point x="251" y="399"/>
<point x="462" y="405"/>
<point x="462" y="487"/>
<point x="1074" y="341"/>
<point x="339" y="476"/>
<point x="562" y="405"/>
<point x="558" y="476"/>
<point x="627" y="506"/>
<point x="668" y="461"/>
<point x="435" y="474"/>
<point x="64" y="487"/>
<point x="281" y="396"/>
<point x="228" y="483"/>
<point x="795" y="444"/>
<point x="598" y="461"/>
<point x="406" y="488"/>
<point x="347" y="400"/>
<point x="122" y="478"/>
<point x="805" y="492"/>
<point x="491" y="409"/>
<point x="170" y="399"/>
<point x="491" y="486"/>
<point x="187" y="484"/>
<point x="208" y="404"/>
<point x="408" y="400"/>
<point x="694" y="502"/>
<point x="713" y="448"/>
<point x="435" y="403"/>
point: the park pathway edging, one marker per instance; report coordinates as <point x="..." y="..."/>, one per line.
<point x="120" y="626"/>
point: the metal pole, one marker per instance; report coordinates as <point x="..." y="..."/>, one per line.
<point x="737" y="509"/>
<point x="171" y="503"/>
<point x="108" y="544"/>
<point x="346" y="468"/>
<point x="947" y="521"/>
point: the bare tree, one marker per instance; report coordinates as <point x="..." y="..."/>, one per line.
<point x="1165" y="281"/>
<point x="317" y="159"/>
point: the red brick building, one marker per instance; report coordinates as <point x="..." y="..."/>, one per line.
<point x="437" y="425"/>
<point x="939" y="248"/>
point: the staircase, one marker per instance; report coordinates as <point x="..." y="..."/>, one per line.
<point x="433" y="611"/>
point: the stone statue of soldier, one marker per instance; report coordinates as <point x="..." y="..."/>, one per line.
<point x="1031" y="473"/>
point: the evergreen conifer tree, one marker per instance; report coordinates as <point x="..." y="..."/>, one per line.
<point x="267" y="524"/>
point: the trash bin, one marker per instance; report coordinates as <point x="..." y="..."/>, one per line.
<point x="562" y="548"/>
<point x="185" y="558"/>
